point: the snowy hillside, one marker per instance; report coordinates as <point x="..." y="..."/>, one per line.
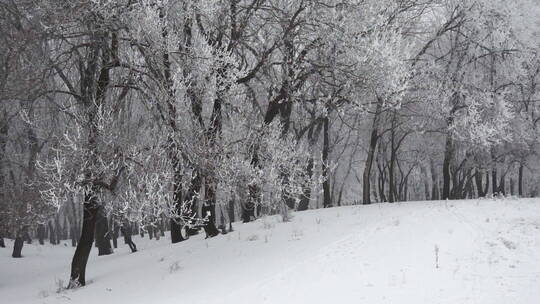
<point x="487" y="251"/>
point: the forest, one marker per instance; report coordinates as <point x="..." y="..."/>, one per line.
<point x="171" y="118"/>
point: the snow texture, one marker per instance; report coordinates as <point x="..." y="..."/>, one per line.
<point x="487" y="251"/>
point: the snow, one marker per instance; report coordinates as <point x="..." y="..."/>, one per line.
<point x="488" y="252"/>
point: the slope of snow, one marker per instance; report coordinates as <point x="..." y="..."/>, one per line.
<point x="488" y="251"/>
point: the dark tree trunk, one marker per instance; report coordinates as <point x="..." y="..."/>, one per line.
<point x="74" y="236"/>
<point x="177" y="223"/>
<point x="114" y="228"/>
<point x="65" y="230"/>
<point x="448" y="155"/>
<point x="103" y="237"/>
<point x="192" y="198"/>
<point x="208" y="212"/>
<point x="248" y="207"/>
<point x="162" y="227"/>
<point x="84" y="246"/>
<point x="58" y="229"/>
<point x="423" y="170"/>
<point x="230" y="211"/>
<point x="150" y="230"/>
<point x="435" y="181"/>
<point x="75" y="224"/>
<point x="306" y="195"/>
<point x="494" y="186"/>
<point x="479" y="186"/>
<point x="126" y="232"/>
<point x="502" y="185"/>
<point x="17" y="247"/>
<point x="2" y="244"/>
<point x="520" y="180"/>
<point x="209" y="207"/>
<point x="486" y="186"/>
<point x="52" y="234"/>
<point x="41" y="234"/>
<point x="327" y="198"/>
<point x="381" y="180"/>
<point x="366" y="189"/>
<point x="26" y="235"/>
<point x="512" y="187"/>
<point x="392" y="193"/>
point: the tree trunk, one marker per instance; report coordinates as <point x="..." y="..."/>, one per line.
<point x="366" y="191"/>
<point x="424" y="173"/>
<point x="502" y="185"/>
<point x="103" y="237"/>
<point x="177" y="223"/>
<point x="74" y="236"/>
<point x="448" y="155"/>
<point x="41" y="234"/>
<point x="230" y="211"/>
<point x="306" y="195"/>
<point x="512" y="187"/>
<point x="84" y="246"/>
<point x="392" y="193"/>
<point x="435" y="195"/>
<point x="486" y="186"/>
<point x="494" y="187"/>
<point x="58" y="229"/>
<point x="479" y="186"/>
<point x="126" y="232"/>
<point x="209" y="214"/>
<point x="74" y="224"/>
<point x="114" y="229"/>
<point x="150" y="230"/>
<point x="162" y="227"/>
<point x="26" y="235"/>
<point x="327" y="198"/>
<point x="17" y="247"/>
<point x="520" y="180"/>
<point x="52" y="234"/>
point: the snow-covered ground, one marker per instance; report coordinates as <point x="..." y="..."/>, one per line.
<point x="488" y="252"/>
